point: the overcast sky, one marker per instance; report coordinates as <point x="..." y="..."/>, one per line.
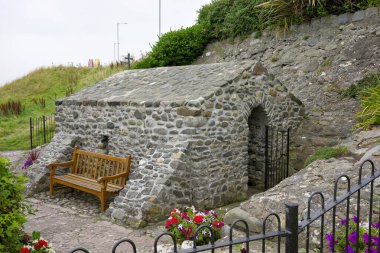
<point x="36" y="33"/>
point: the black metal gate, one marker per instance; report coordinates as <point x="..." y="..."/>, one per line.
<point x="41" y="130"/>
<point x="276" y="155"/>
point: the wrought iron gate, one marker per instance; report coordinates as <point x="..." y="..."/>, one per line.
<point x="41" y="130"/>
<point x="276" y="155"/>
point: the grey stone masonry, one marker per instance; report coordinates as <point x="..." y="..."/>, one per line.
<point x="187" y="129"/>
<point x="316" y="61"/>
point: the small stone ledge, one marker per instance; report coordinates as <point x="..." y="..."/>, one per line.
<point x="184" y="111"/>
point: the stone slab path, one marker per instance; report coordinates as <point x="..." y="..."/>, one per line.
<point x="67" y="228"/>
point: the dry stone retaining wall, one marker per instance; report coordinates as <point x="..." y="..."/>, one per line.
<point x="316" y="61"/>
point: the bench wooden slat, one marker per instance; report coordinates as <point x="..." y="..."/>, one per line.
<point x="87" y="168"/>
<point x="101" y="156"/>
<point x="75" y="179"/>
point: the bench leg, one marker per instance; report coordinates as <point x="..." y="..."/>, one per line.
<point x="51" y="188"/>
<point x="103" y="203"/>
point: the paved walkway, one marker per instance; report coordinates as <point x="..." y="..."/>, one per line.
<point x="68" y="225"/>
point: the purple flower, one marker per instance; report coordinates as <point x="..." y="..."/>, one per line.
<point x="330" y="238"/>
<point x="27" y="164"/>
<point x="366" y="238"/>
<point x="371" y="250"/>
<point x="355" y="219"/>
<point x="350" y="249"/>
<point x="343" y="222"/>
<point x="352" y="237"/>
<point x="376" y="225"/>
<point x="375" y="240"/>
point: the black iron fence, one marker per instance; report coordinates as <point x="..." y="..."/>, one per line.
<point x="42" y="130"/>
<point x="292" y="238"/>
<point x="276" y="155"/>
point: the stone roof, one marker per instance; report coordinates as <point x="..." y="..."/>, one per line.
<point x="170" y="84"/>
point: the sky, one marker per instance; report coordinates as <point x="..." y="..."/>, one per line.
<point x="41" y="33"/>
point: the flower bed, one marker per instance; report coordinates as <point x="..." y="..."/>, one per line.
<point x="355" y="239"/>
<point x="183" y="224"/>
<point x="36" y="244"/>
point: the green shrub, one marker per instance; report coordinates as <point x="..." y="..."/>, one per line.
<point x="369" y="81"/>
<point x="243" y="18"/>
<point x="370" y="100"/>
<point x="326" y="153"/>
<point x="212" y="17"/>
<point x="176" y="48"/>
<point x="12" y="209"/>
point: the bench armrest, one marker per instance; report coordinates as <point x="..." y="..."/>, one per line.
<point x="108" y="178"/>
<point x="54" y="166"/>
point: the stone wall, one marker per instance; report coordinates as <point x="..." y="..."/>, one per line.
<point x="193" y="152"/>
<point x="315" y="61"/>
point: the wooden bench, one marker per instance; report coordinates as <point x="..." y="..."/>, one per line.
<point x="98" y="174"/>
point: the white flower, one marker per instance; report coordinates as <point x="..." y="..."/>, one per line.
<point x="209" y="234"/>
<point x="203" y="232"/>
<point x="204" y="220"/>
<point x="180" y="227"/>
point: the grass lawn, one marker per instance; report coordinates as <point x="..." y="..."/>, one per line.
<point x="47" y="83"/>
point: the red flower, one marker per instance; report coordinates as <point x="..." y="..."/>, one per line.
<point x="168" y="224"/>
<point x="43" y="243"/>
<point x="198" y="219"/>
<point x="24" y="250"/>
<point x="217" y="224"/>
<point x="37" y="246"/>
<point x="174" y="219"/>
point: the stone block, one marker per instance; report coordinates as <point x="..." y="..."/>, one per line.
<point x="358" y="16"/>
<point x="372" y="12"/>
<point x="258" y="69"/>
<point x="184" y="111"/>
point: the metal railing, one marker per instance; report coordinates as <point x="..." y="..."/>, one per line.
<point x="276" y="156"/>
<point x="294" y="228"/>
<point x="41" y="130"/>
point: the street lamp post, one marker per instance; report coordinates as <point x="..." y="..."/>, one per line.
<point x="159" y="18"/>
<point x="118" y="43"/>
<point x="114" y="52"/>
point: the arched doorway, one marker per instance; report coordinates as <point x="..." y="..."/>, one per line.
<point x="256" y="148"/>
